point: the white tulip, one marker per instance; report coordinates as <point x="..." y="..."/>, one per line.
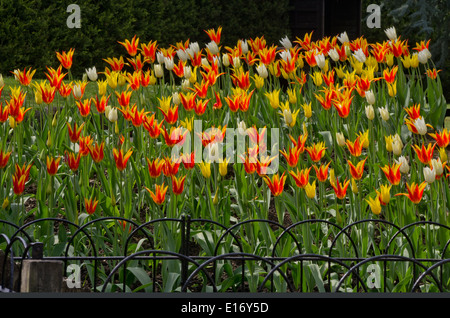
<point x="340" y="139"/>
<point x="370" y="113"/>
<point x="169" y="63"/>
<point x="160" y="57"/>
<point x="333" y="54"/>
<point x="182" y="55"/>
<point x="343" y="38"/>
<point x="422" y="56"/>
<point x="77" y="91"/>
<point x="370" y="97"/>
<point x="2" y="83"/>
<point x="404" y="167"/>
<point x="286" y="43"/>
<point x="360" y="56"/>
<point x="159" y="72"/>
<point x="225" y="60"/>
<point x="112" y="115"/>
<point x="213" y="48"/>
<point x="320" y="60"/>
<point x="437" y="166"/>
<point x="262" y="70"/>
<point x="391" y="33"/>
<point x="244" y="46"/>
<point x="285" y="55"/>
<point x="429" y="174"/>
<point x="384" y="113"/>
<point x="176" y="98"/>
<point x="92" y="74"/>
<point x="187" y="71"/>
<point x="421" y="126"/>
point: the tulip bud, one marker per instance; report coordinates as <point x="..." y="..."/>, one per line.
<point x="187" y="72"/>
<point x="340" y="139"/>
<point x="176" y="98"/>
<point x="320" y="60"/>
<point x="2" y="82"/>
<point x="334" y="55"/>
<point x="262" y="71"/>
<point x="54" y="121"/>
<point x="49" y="139"/>
<point x="332" y="176"/>
<point x="216" y="198"/>
<point x="389" y="141"/>
<point x="423" y="57"/>
<point x="5" y="204"/>
<point x="116" y="128"/>
<point x="158" y="71"/>
<point x="355" y="189"/>
<point x="420" y="125"/>
<point x="12" y="122"/>
<point x="77" y="92"/>
<point x="225" y="60"/>
<point x="370" y="97"/>
<point x="443" y="155"/>
<point x="370" y="113"/>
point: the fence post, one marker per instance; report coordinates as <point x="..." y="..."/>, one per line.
<point x="40" y="275"/>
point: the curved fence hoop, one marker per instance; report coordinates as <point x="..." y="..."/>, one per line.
<point x="134" y="255"/>
<point x="384" y="257"/>
<point x="306" y="257"/>
<point x="231" y="255"/>
<point x="429" y="271"/>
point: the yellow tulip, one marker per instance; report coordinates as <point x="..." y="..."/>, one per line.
<point x="375" y="205"/>
<point x="205" y="168"/>
<point x="317" y="78"/>
<point x="223" y="167"/>
<point x="310" y="189"/>
<point x="102" y="85"/>
<point x="307" y="110"/>
<point x="384" y="193"/>
<point x="274" y="98"/>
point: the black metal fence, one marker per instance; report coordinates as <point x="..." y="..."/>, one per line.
<point x="344" y="265"/>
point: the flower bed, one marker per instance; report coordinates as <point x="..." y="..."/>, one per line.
<point x="337" y="130"/>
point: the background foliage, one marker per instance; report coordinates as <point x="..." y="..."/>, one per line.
<point x="31" y="31"/>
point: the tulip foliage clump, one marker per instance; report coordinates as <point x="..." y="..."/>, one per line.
<point x="333" y="129"/>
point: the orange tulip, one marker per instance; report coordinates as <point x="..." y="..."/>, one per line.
<point x="178" y="184"/>
<point x="96" y="152"/>
<point x="358" y="170"/>
<point x="124" y="98"/>
<point x="442" y="138"/>
<point x="425" y="154"/>
<point x="292" y="156"/>
<point x="52" y="165"/>
<point x="413" y="111"/>
<point x="214" y="35"/>
<point x="355" y="147"/>
<point x="84" y="143"/>
<point x="137" y="116"/>
<point x="171" y="166"/>
<point x="116" y="63"/>
<point x="159" y="195"/>
<point x="316" y="151"/>
<point x="102" y="103"/>
<point x="121" y="159"/>
<point x="200" y="106"/>
<point x="131" y="46"/>
<point x="152" y="126"/>
<point x="171" y="115"/>
<point x="65" y="89"/>
<point x="389" y="75"/>
<point x="301" y="177"/>
<point x="66" y="58"/>
<point x="4" y="113"/>
<point x="74" y="134"/>
<point x="176" y="136"/>
<point x="322" y="172"/>
<point x="155" y="167"/>
<point x="73" y="161"/>
<point x="149" y="50"/>
<point x="276" y="183"/>
<point x="90" y="205"/>
<point x="84" y="107"/>
<point x="392" y="173"/>
<point x="18" y="184"/>
<point x="4" y="158"/>
<point x="340" y="189"/>
<point x="24" y="76"/>
<point x="415" y="192"/>
<point x="188" y="160"/>
<point x="188" y="100"/>
<point x="55" y="77"/>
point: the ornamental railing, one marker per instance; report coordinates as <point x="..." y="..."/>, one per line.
<point x="114" y="254"/>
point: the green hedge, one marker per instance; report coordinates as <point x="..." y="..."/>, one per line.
<point x="32" y="31"/>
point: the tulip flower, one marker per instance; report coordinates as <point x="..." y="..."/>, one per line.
<point x="442" y="137"/>
<point x="4" y="113"/>
<point x="310" y="189"/>
<point x="4" y="157"/>
<point x="52" y="165"/>
<point x="121" y="159"/>
<point x="178" y="184"/>
<point x="392" y="173"/>
<point x="90" y="205"/>
<point x="301" y="177"/>
<point x="276" y="183"/>
<point x="223" y="167"/>
<point x="425" y="154"/>
<point x="96" y="152"/>
<point x="415" y="192"/>
<point x="340" y="189"/>
<point x="375" y="205"/>
<point x="171" y="166"/>
<point x="322" y="172"/>
<point x="205" y="168"/>
<point x="355" y="147"/>
<point x="159" y="195"/>
<point x="55" y="77"/>
<point x="274" y="98"/>
<point x="18" y="183"/>
<point x="155" y="167"/>
<point x="65" y="58"/>
<point x="389" y="74"/>
<point x="384" y="194"/>
<point x="316" y="151"/>
<point x="292" y="156"/>
<point x="429" y="174"/>
<point x="73" y="161"/>
<point x="84" y="106"/>
<point x="92" y="74"/>
<point x="131" y="46"/>
<point x="358" y="170"/>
